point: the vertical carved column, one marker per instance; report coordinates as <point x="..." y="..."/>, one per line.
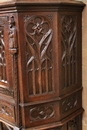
<point x="13" y="48"/>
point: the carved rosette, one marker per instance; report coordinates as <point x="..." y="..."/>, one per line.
<point x="41" y="113"/>
<point x="68" y="104"/>
<point x="69" y="49"/>
<point x="38" y="34"/>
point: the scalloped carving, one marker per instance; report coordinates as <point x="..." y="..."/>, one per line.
<point x="69" y="103"/>
<point x="41" y="113"/>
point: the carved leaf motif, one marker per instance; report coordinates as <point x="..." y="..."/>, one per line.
<point x="41" y="113"/>
<point x="68" y="36"/>
<point x="38" y="34"/>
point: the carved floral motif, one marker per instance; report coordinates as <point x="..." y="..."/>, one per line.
<point x="41" y="113"/>
<point x="38" y="34"/>
<point x="68" y="104"/>
<point x="69" y="54"/>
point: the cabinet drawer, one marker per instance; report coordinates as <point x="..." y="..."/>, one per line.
<point x="7" y="111"/>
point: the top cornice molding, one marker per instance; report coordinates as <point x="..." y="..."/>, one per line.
<point x="21" y="2"/>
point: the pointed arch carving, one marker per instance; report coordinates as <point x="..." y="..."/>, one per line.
<point x="38" y="33"/>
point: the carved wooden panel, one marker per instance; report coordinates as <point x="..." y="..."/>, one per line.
<point x="69" y="103"/>
<point x="73" y="124"/>
<point x="69" y="49"/>
<point x="13" y="48"/>
<point x="41" y="113"/>
<point x="3" y="76"/>
<point x="38" y="33"/>
<point x="6" y="91"/>
<point x="7" y="111"/>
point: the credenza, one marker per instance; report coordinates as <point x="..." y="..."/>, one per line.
<point x="41" y="65"/>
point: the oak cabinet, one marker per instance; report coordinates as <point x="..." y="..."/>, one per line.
<point x="41" y="65"/>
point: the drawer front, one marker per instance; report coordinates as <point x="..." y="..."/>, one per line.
<point x="7" y="111"/>
<point x="40" y="114"/>
<point x="70" y="104"/>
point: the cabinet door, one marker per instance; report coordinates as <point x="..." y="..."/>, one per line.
<point x="5" y="59"/>
<point x="8" y="69"/>
<point x="70" y="51"/>
<point x="39" y="55"/>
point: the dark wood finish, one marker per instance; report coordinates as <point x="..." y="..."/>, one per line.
<point x="41" y="65"/>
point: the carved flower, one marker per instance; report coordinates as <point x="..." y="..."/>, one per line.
<point x="37" y="28"/>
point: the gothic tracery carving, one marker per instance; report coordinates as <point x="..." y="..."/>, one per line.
<point x="69" y="103"/>
<point x="41" y="113"/>
<point x="3" y="76"/>
<point x="69" y="54"/>
<point x="38" y="33"/>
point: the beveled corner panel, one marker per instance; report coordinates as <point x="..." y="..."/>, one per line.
<point x="70" y="104"/>
<point x="69" y="49"/>
<point x="70" y="52"/>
